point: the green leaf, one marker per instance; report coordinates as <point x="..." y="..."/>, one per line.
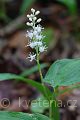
<point x="39" y="86"/>
<point x="71" y="4"/>
<point x="63" y="72"/>
<point x="21" y="116"/>
<point x="32" y="70"/>
<point x="25" y="5"/>
<point x="10" y="76"/>
<point x="39" y="105"/>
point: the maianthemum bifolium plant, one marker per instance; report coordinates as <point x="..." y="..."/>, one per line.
<point x="65" y="72"/>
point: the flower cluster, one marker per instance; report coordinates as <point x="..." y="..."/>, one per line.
<point x="35" y="34"/>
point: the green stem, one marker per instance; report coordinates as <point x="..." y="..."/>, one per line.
<point x="41" y="76"/>
<point x="39" y="68"/>
<point x="45" y="90"/>
<point x="53" y="107"/>
<point x="50" y="111"/>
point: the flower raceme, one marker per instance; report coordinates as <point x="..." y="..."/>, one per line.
<point x="35" y="34"/>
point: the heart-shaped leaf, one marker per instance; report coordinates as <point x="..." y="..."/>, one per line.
<point x="63" y="73"/>
<point x="39" y="86"/>
<point x="21" y="116"/>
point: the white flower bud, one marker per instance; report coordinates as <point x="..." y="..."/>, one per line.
<point x="28" y="16"/>
<point x="29" y="24"/>
<point x="37" y="12"/>
<point x="31" y="15"/>
<point x="34" y="18"/>
<point x="30" y="19"/>
<point x="39" y="20"/>
<point x="32" y="10"/>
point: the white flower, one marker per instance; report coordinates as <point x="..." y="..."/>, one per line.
<point x="39" y="43"/>
<point x="34" y="44"/>
<point x="42" y="49"/>
<point x="35" y="32"/>
<point x="39" y="20"/>
<point x="38" y="28"/>
<point x="38" y="37"/>
<point x="37" y="12"/>
<point x="30" y="34"/>
<point x="32" y="57"/>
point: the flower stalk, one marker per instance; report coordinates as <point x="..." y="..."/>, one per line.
<point x="36" y="42"/>
<point x="38" y="63"/>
